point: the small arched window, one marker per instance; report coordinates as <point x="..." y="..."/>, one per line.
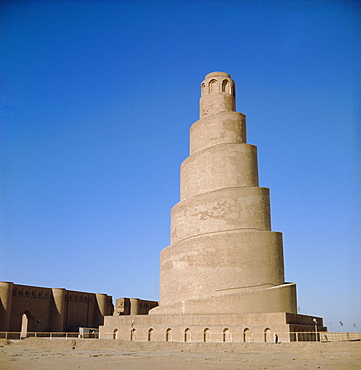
<point x="231" y="89"/>
<point x="226" y="335"/>
<point x="150" y="334"/>
<point x="267" y="335"/>
<point x="213" y="86"/>
<point x="187" y="335"/>
<point x="246" y="335"/>
<point x="168" y="335"/>
<point x="115" y="333"/>
<point x="225" y="86"/>
<point x="206" y="335"/>
<point x="203" y="89"/>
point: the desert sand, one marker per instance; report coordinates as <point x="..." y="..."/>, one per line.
<point x="36" y="353"/>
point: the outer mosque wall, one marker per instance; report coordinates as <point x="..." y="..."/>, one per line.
<point x="133" y="306"/>
<point x="50" y="309"/>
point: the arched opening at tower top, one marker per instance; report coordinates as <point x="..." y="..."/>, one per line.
<point x="213" y="86"/>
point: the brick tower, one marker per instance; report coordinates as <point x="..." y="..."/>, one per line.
<point x="222" y="277"/>
<point x="223" y="256"/>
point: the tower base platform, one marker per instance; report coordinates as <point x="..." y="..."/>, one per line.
<point x="259" y="327"/>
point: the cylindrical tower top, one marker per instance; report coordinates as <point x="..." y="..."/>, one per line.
<point x="217" y="94"/>
<point x="222" y="74"/>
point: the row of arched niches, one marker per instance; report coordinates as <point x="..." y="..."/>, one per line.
<point x="215" y="86"/>
<point x="207" y="336"/>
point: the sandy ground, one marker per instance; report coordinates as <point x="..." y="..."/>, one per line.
<point x="35" y="353"/>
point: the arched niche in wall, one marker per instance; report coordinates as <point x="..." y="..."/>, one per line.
<point x="213" y="86"/>
<point x="187" y="335"/>
<point x="206" y="335"/>
<point x="226" y="335"/>
<point x="150" y="334"/>
<point x="168" y="335"/>
<point x="247" y="337"/>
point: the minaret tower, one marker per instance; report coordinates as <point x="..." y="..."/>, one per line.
<point x="222" y="276"/>
<point x="223" y="256"/>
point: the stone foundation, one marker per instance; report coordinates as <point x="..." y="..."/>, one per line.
<point x="259" y="327"/>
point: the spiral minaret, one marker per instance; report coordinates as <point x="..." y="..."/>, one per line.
<point x="223" y="253"/>
<point x="222" y="276"/>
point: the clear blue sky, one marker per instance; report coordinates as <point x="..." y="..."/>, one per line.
<point x="96" y="105"/>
